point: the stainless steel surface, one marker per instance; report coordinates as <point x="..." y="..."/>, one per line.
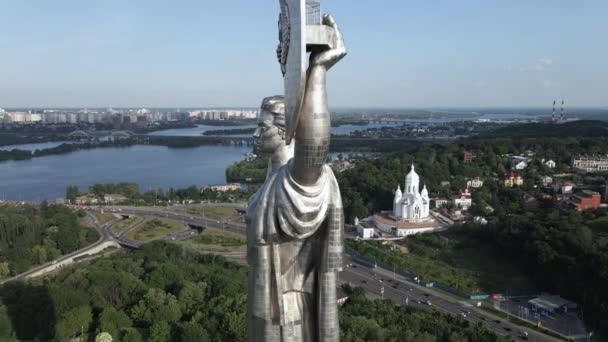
<point x="295" y="221"/>
<point x="270" y="134"/>
<point x="292" y="27"/>
<point x="300" y="31"/>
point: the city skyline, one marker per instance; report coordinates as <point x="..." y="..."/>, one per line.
<point x="200" y="54"/>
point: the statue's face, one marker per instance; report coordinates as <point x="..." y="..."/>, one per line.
<point x="267" y="137"/>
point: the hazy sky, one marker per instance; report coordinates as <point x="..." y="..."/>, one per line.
<point x="402" y="53"/>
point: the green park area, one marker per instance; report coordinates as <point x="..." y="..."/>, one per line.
<point x="154" y="228"/>
<point x="453" y="259"/>
<point x="124" y="224"/>
<point x="212" y="212"/>
<point x="217" y="240"/>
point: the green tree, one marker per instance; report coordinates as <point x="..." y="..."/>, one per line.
<point x="112" y="321"/>
<point x="192" y="297"/>
<point x="157" y="305"/>
<point x="73" y="322"/>
<point x="192" y="332"/>
<point x="5" y="271"/>
<point x="130" y="335"/>
<point x="67" y="238"/>
<point x="160" y="332"/>
<point x="39" y="254"/>
<point x="71" y="193"/>
<point x="6" y="328"/>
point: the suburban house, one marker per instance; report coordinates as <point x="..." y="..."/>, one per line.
<point x="512" y="179"/>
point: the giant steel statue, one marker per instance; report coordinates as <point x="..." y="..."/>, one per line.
<point x="295" y="220"/>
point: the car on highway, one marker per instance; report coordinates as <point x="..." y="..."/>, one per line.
<point x="428" y="302"/>
<point x="507" y="329"/>
<point x="463" y="314"/>
<point x="364" y="281"/>
<point x="497" y="321"/>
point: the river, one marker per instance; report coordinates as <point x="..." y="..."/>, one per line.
<point x="340" y="130"/>
<point x="199" y="130"/>
<point x="152" y="167"/>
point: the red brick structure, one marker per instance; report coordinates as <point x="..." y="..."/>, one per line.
<point x="468" y="156"/>
<point x="586" y="200"/>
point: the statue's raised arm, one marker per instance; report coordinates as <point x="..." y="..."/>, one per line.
<point x="314" y="126"/>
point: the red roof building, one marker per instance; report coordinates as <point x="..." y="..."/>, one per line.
<point x="586" y="200"/>
<point x="468" y="156"/>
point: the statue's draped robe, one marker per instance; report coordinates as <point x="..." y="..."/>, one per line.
<point x="294" y="248"/>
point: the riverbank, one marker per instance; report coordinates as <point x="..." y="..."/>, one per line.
<point x="151" y="166"/>
<point x="236" y="131"/>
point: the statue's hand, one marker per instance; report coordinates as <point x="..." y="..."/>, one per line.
<point x="329" y="58"/>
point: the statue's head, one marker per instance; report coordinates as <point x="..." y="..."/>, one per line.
<point x="270" y="133"/>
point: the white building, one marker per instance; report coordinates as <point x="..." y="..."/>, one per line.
<point x="463" y="200"/>
<point x="441" y="202"/>
<point x="591" y="163"/>
<point x="519" y="162"/>
<point x="365" y="229"/>
<point x="550" y="164"/>
<point x="564" y="187"/>
<point x="474" y="183"/>
<point x="410" y="214"/>
<point x="547" y="180"/>
<point x="412" y="204"/>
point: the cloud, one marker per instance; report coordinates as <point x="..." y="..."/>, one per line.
<point x="480" y="84"/>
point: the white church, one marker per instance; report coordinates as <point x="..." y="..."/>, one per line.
<point x="412" y="205"/>
<point x="410" y="214"/>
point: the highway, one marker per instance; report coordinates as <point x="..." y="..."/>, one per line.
<point x="397" y="288"/>
<point x="376" y="281"/>
<point x="405" y="292"/>
<point x="104" y="237"/>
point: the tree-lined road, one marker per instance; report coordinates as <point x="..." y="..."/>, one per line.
<point x="399" y="289"/>
<point x="104" y="240"/>
<point x="386" y="284"/>
<point x="376" y="281"/>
